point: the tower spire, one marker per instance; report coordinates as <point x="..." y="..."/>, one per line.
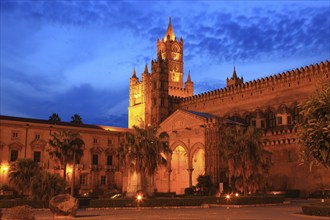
<point x="134" y="73"/>
<point x="234" y="74"/>
<point x="189" y="78"/>
<point x="146" y="69"/>
<point x="169" y="35"/>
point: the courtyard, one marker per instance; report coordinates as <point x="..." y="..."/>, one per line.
<point x="291" y="210"/>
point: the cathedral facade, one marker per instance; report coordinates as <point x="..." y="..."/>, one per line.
<point x="164" y="97"/>
<point x="270" y="104"/>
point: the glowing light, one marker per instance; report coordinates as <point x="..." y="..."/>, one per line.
<point x="227" y="196"/>
<point x="236" y="194"/>
<point x="4" y="168"/>
<point x="69" y="169"/>
<point x="139" y="197"/>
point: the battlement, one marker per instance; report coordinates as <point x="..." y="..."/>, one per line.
<point x="284" y="79"/>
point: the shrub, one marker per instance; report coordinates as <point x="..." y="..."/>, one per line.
<point x="46" y="185"/>
<point x="21" y="212"/>
<point x="20" y="202"/>
<point x="188" y="191"/>
<point x="318" y="209"/>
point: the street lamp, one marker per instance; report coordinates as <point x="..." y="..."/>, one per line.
<point x="139" y="198"/>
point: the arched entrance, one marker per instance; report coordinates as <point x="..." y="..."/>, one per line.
<point x="179" y="175"/>
<point x="198" y="165"/>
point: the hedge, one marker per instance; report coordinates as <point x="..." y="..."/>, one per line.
<point x="318" y="209"/>
<point x="188" y="201"/>
<point x="14" y="203"/>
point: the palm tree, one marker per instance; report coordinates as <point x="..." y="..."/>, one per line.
<point x="76" y="119"/>
<point x="21" y="173"/>
<point x="66" y="147"/>
<point x="314" y="130"/>
<point x="144" y="150"/>
<point x="54" y="118"/>
<point x="248" y="162"/>
<point x="46" y="185"/>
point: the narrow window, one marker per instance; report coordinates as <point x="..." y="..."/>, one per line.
<point x="289" y="120"/>
<point x="279" y="120"/>
<point x="109" y="160"/>
<point x="110" y="142"/>
<point x="15" y="134"/>
<point x="95" y="159"/>
<point x="13" y="155"/>
<point x="36" y="156"/>
<point x="83" y="180"/>
<point x="103" y="180"/>
<point x="37" y="136"/>
<point x="262" y="124"/>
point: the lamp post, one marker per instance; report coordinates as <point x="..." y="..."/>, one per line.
<point x="139" y="199"/>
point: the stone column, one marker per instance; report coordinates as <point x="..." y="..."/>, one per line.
<point x="169" y="171"/>
<point x="169" y="180"/>
<point x="190" y="170"/>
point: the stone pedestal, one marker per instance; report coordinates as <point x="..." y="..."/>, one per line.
<point x="63" y="205"/>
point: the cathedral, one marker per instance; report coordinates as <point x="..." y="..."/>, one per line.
<point x="270" y="104"/>
<point x="164" y="97"/>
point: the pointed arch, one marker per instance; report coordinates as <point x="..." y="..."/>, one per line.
<point x="179" y="143"/>
<point x="197" y="146"/>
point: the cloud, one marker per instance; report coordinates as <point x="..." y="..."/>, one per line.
<point x="77" y="56"/>
<point x="249" y="37"/>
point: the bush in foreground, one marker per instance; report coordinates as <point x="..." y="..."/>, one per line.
<point x="318" y="209"/>
<point x="22" y="212"/>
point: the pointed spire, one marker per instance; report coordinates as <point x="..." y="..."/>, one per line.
<point x="134" y="73"/>
<point x="234" y="74"/>
<point x="189" y="78"/>
<point x="169" y="33"/>
<point x="146" y="69"/>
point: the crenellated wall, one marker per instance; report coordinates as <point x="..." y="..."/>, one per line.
<point x="287" y="87"/>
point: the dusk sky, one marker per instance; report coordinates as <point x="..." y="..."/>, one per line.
<point x="73" y="57"/>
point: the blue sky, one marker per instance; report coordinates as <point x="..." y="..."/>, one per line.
<point x="77" y="56"/>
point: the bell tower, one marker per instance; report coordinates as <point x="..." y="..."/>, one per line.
<point x="150" y="98"/>
<point x="171" y="50"/>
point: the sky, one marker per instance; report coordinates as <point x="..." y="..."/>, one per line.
<point x="76" y="57"/>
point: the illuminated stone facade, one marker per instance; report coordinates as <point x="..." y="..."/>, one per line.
<point x="194" y="121"/>
<point x="149" y="98"/>
<point x="28" y="138"/>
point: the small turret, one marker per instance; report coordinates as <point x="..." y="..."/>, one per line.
<point x="189" y="85"/>
<point x="234" y="80"/>
<point x="134" y="80"/>
<point x="146" y="69"/>
<point x="134" y="73"/>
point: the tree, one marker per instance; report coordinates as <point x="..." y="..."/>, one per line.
<point x="54" y="118"/>
<point x="21" y="173"/>
<point x="314" y="130"/>
<point x="46" y="185"/>
<point x="204" y="184"/>
<point x="66" y="147"/>
<point x="76" y="119"/>
<point x="144" y="149"/>
<point x="248" y="162"/>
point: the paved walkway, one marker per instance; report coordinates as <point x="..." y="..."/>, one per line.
<point x="291" y="211"/>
